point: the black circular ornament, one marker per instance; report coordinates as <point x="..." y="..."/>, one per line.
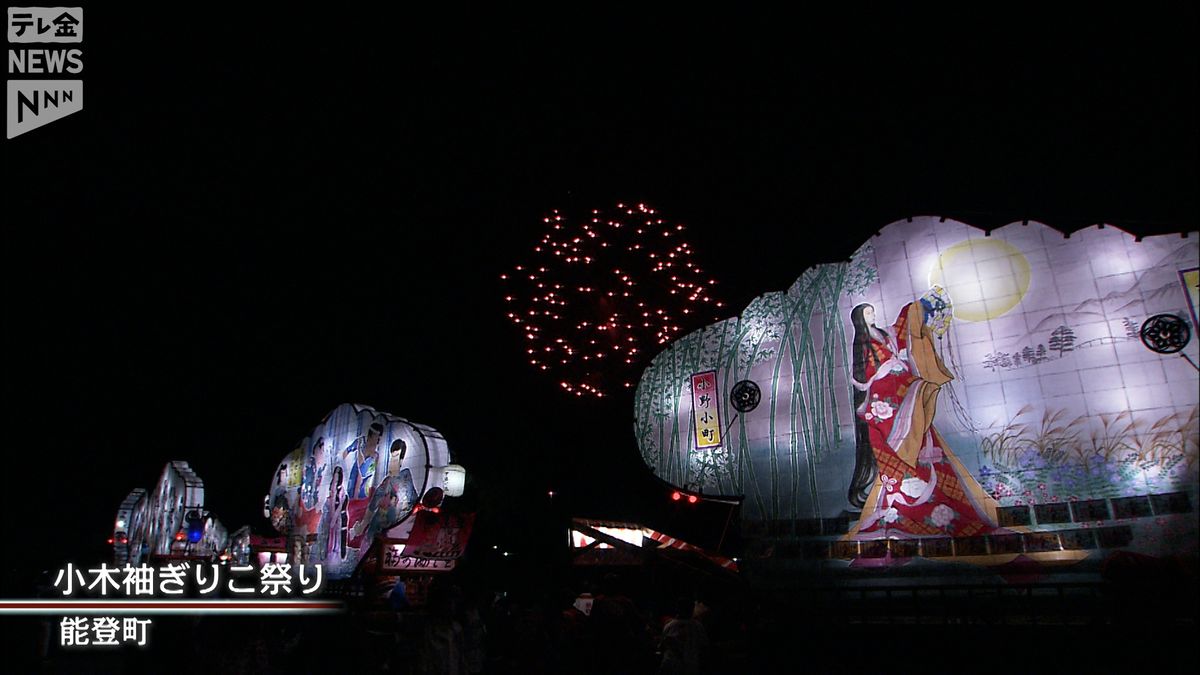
<point x="1165" y="333"/>
<point x="745" y="396"/>
<point x="433" y="497"/>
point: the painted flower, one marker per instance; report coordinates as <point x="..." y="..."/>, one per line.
<point x="913" y="486"/>
<point x="890" y="515"/>
<point x="889" y="483"/>
<point x="942" y="515"/>
<point x="881" y="409"/>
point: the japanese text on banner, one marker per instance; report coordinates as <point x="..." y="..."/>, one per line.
<point x="704" y="410"/>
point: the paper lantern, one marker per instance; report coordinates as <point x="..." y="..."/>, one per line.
<point x="454" y="480"/>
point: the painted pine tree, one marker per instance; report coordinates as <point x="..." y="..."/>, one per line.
<point x="1062" y="340"/>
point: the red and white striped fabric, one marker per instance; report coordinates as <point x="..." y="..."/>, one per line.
<point x="666" y="541"/>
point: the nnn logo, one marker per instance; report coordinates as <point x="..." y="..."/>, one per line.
<point x="34" y="103"/>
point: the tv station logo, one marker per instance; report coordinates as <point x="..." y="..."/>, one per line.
<point x="40" y="58"/>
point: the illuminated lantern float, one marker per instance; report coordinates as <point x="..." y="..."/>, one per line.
<point x="168" y="523"/>
<point x="949" y="395"/>
<point x="358" y="475"/>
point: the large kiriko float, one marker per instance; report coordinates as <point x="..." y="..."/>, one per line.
<point x="948" y="395"/>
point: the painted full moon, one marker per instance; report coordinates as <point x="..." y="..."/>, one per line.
<point x="985" y="278"/>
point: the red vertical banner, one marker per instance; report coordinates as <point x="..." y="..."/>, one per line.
<point x="706" y="418"/>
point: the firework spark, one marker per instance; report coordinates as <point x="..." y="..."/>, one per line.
<point x="603" y="291"/>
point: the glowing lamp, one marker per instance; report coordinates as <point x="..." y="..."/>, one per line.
<point x="454" y="480"/>
<point x="676" y="496"/>
<point x="692" y="499"/>
<point x="195" y="527"/>
<point x="179" y="536"/>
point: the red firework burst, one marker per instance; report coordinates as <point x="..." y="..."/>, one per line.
<point x="603" y="291"/>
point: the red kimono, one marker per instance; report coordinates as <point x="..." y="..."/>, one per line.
<point x="922" y="489"/>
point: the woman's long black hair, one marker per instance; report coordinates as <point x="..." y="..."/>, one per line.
<point x="864" y="459"/>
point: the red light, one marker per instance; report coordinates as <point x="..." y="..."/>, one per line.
<point x="692" y="499"/>
<point x="179" y="536"/>
<point x="110" y="540"/>
<point x="676" y="496"/>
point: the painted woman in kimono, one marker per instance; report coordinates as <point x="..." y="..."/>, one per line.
<point x="333" y="513"/>
<point x="919" y="488"/>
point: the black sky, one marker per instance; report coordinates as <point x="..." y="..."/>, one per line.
<point x="261" y="214"/>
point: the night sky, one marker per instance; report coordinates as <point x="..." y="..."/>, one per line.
<point x="258" y="216"/>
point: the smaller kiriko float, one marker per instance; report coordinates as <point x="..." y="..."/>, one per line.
<point x="359" y="474"/>
<point x="168" y="523"/>
<point x="363" y="492"/>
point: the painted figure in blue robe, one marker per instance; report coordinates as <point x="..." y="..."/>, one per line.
<point x="365" y="451"/>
